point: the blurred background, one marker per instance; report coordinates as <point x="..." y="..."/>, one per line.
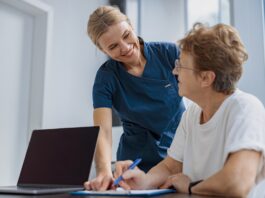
<point x="48" y="63"/>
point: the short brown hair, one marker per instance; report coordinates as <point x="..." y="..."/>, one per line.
<point x="218" y="49"/>
<point x="100" y="20"/>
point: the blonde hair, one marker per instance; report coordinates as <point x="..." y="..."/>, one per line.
<point x="101" y="19"/>
<point x="218" y="49"/>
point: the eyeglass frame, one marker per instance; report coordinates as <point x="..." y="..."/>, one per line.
<point x="178" y="66"/>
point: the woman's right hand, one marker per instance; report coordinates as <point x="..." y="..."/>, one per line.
<point x="103" y="181"/>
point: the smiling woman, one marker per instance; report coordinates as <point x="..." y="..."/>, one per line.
<point x="121" y="43"/>
<point x="136" y="81"/>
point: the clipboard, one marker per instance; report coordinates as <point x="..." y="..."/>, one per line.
<point x="122" y="192"/>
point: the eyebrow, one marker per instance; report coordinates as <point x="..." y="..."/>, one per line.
<point x="125" y="32"/>
<point x="113" y="44"/>
<point x="180" y="63"/>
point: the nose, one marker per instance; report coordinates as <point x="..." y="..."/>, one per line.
<point x="175" y="71"/>
<point x="124" y="47"/>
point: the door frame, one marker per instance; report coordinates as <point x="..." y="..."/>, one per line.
<point x="41" y="52"/>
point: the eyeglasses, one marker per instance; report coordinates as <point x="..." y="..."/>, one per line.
<point x="178" y="66"/>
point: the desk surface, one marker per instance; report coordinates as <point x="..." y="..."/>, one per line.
<point x="172" y="195"/>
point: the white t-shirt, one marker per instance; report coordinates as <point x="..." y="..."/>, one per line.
<point x="239" y="123"/>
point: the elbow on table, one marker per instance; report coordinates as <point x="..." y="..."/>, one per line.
<point x="239" y="189"/>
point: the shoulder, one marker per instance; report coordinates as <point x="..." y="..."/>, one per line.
<point x="245" y="115"/>
<point x="246" y="102"/>
<point x="166" y="52"/>
<point x="107" y="71"/>
<point x="107" y="76"/>
<point x="169" y="47"/>
<point x="191" y="114"/>
<point x="105" y="84"/>
<point x="193" y="108"/>
<point x="108" y="67"/>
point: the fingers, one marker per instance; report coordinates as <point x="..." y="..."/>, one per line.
<point x="135" y="179"/>
<point x="131" y="179"/>
<point x="92" y="185"/>
<point x="95" y="184"/>
<point x="131" y="174"/>
<point x="87" y="185"/>
<point x="124" y="185"/>
<point x="167" y="184"/>
<point x="120" y="167"/>
<point x="99" y="183"/>
<point x="106" y="184"/>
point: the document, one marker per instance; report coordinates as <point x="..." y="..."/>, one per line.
<point x="122" y="192"/>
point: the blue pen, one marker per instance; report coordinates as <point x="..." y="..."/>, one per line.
<point x="132" y="166"/>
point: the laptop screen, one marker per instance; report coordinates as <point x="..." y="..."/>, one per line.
<point x="59" y="156"/>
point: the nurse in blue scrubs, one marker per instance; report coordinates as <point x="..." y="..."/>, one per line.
<point x="137" y="81"/>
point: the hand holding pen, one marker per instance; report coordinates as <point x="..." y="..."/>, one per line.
<point x="131" y="167"/>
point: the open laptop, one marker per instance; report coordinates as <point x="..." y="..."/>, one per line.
<point x="56" y="161"/>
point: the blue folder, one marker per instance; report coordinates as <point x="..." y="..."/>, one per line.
<point x="121" y="192"/>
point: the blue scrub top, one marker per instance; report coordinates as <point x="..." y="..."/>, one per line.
<point x="149" y="106"/>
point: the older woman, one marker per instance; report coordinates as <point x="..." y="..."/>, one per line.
<point x="220" y="142"/>
<point x="138" y="83"/>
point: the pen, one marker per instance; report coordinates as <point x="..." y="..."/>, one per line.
<point x="132" y="166"/>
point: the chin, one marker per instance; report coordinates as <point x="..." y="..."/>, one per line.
<point x="182" y="93"/>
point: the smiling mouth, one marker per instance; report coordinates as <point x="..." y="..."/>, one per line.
<point x="129" y="52"/>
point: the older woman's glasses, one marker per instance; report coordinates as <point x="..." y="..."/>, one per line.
<point x="178" y="66"/>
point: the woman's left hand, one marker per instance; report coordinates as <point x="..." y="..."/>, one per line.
<point x="179" y="181"/>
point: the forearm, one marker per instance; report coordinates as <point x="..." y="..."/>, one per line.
<point x="221" y="184"/>
<point x="160" y="173"/>
<point x="236" y="178"/>
<point x="103" y="154"/>
<point x="155" y="178"/>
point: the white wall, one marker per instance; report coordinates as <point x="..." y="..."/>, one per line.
<point x="68" y="77"/>
<point x="162" y="20"/>
<point x="74" y="62"/>
<point x="248" y="18"/>
<point x="15" y="66"/>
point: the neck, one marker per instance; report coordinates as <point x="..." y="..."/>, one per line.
<point x="136" y="68"/>
<point x="210" y="103"/>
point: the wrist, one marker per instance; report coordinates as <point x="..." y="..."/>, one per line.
<point x="103" y="168"/>
<point x="192" y="184"/>
<point x="145" y="182"/>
